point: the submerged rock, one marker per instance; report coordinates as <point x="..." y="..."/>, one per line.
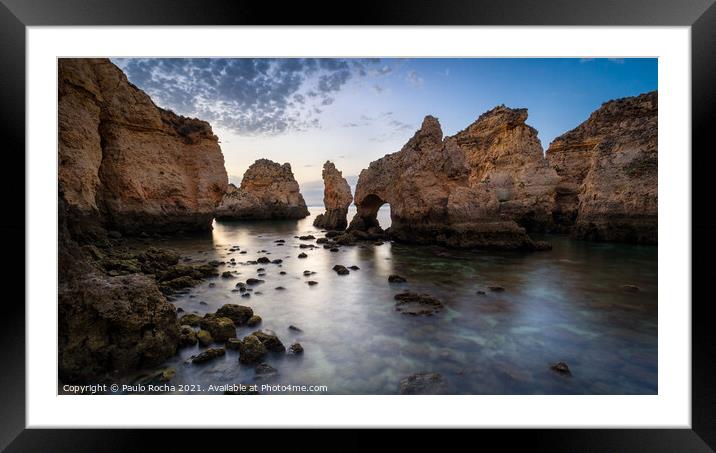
<point x="209" y="354"/>
<point x="423" y="384"/>
<point x="264" y="370"/>
<point x="268" y="191"/>
<point x="411" y="303"/>
<point x="561" y="368"/>
<point x="336" y="199"/>
<point x="102" y="324"/>
<point x="220" y="328"/>
<point x="393" y="278"/>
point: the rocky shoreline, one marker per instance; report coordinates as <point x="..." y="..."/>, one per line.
<point x="131" y="169"/>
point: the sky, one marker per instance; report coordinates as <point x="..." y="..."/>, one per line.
<point x="353" y="111"/>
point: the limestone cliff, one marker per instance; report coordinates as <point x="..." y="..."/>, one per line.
<point x="336" y="199"/>
<point x="125" y="163"/>
<point x="468" y="190"/>
<point x="268" y="191"/>
<point x="608" y="188"/>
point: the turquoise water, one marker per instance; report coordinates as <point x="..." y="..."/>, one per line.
<point x="567" y="305"/>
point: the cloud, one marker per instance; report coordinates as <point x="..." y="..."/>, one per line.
<point x="413" y="78"/>
<point x="247" y="96"/>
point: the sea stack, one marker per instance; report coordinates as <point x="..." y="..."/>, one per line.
<point x="128" y="165"/>
<point x="481" y="188"/>
<point x="336" y="199"/>
<point x="608" y="169"/>
<point x="268" y="191"/>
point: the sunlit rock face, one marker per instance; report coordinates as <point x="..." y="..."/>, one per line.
<point x="125" y="163"/>
<point x="479" y="188"/>
<point x="608" y="168"/>
<point x="268" y="191"/>
<point x="336" y="199"/>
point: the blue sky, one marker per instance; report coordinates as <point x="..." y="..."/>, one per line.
<point x="353" y="111"/>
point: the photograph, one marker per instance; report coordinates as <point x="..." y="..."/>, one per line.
<point x="357" y="226"/>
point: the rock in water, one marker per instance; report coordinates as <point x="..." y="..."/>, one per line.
<point x="103" y="326"/>
<point x="608" y="169"/>
<point x="423" y="384"/>
<point x="239" y="314"/>
<point x="220" y="328"/>
<point x="269" y="339"/>
<point x="268" y="191"/>
<point x="251" y="350"/>
<point x="561" y="368"/>
<point x="336" y="199"/>
<point x="126" y="163"/>
<point x="341" y="270"/>
<point x="209" y="354"/>
<point x="480" y="188"/>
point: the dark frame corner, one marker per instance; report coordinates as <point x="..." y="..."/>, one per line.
<point x="16" y="15"/>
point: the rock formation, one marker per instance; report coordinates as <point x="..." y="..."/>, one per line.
<point x="608" y="172"/>
<point x="336" y="199"/>
<point x="268" y="191"/>
<point x="473" y="189"/>
<point x="127" y="164"/>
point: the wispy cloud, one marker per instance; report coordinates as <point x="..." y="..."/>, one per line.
<point x="413" y="78"/>
<point x="248" y="96"/>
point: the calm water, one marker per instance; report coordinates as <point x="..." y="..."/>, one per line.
<point x="563" y="305"/>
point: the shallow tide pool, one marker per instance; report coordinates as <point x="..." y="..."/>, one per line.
<point x="566" y="305"/>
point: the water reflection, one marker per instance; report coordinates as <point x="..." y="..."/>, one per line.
<point x="563" y="305"/>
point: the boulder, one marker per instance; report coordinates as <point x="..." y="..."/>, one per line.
<point x="113" y="325"/>
<point x="207" y="355"/>
<point x="251" y="350"/>
<point x="423" y="384"/>
<point x="269" y="339"/>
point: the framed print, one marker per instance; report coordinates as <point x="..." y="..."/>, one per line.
<point x="407" y="219"/>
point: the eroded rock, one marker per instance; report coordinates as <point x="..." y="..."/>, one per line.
<point x="336" y="199"/>
<point x="608" y="168"/>
<point x="268" y="191"/>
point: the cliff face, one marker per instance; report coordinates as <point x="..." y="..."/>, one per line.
<point x="127" y="164"/>
<point x="469" y="190"/>
<point x="608" y="188"/>
<point x="268" y="191"/>
<point x="336" y="199"/>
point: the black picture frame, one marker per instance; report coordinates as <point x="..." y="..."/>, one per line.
<point x="700" y="15"/>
